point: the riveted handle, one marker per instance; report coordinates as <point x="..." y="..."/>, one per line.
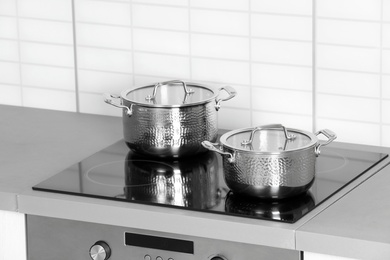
<point x="212" y="147"/>
<point x="109" y="99"/>
<point x="231" y="92"/>
<point x="328" y="134"/>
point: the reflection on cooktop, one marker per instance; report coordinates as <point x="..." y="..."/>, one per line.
<point x="288" y="210"/>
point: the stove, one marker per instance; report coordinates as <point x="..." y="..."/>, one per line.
<point x="196" y="183"/>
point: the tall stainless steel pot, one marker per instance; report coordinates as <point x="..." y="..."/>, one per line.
<point x="170" y="119"/>
<point x="272" y="161"/>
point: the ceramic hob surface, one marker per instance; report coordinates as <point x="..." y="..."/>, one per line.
<point x="196" y="183"/>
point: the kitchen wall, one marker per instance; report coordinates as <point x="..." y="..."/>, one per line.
<point x="309" y="64"/>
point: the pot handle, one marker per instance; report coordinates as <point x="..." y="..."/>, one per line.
<point x="108" y="98"/>
<point x="211" y="146"/>
<point x="232" y="93"/>
<point x="289" y="137"/>
<point x="329" y="134"/>
<point x="187" y="91"/>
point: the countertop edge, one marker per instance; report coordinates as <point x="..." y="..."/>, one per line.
<point x="143" y="217"/>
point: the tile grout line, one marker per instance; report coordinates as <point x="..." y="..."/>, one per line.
<point x="381" y="77"/>
<point x="314" y="67"/>
<point x="132" y="41"/>
<point x="190" y="40"/>
<point x="75" y="57"/>
<point x="250" y="65"/>
<point x="19" y="53"/>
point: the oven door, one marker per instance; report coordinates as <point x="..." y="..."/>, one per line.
<point x="59" y="239"/>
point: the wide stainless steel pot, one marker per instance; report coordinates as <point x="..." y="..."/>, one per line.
<point x="170" y="119"/>
<point x="269" y="161"/>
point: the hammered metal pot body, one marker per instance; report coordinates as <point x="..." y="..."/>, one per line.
<point x="170" y="132"/>
<point x="271" y="161"/>
<point x="270" y="176"/>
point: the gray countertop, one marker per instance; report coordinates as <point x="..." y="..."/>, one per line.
<point x="358" y="225"/>
<point x="36" y="144"/>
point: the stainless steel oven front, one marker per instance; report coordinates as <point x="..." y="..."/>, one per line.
<point x="60" y="239"/>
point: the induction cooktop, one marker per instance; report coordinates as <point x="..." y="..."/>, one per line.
<point x="196" y="183"/>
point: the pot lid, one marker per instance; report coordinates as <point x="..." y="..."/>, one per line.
<point x="171" y="93"/>
<point x="268" y="139"/>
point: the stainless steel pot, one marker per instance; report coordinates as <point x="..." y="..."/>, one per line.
<point x="170" y="119"/>
<point x="269" y="161"/>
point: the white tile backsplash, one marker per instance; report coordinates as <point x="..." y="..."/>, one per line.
<point x="8" y="7"/>
<point x="351" y="131"/>
<point x="99" y="82"/>
<point x="294" y="77"/>
<point x="385" y="136"/>
<point x="10" y="73"/>
<point x="47" y="54"/>
<point x="106" y="36"/>
<point x="46" y="31"/>
<point x="160" y="17"/>
<point x="161" y="65"/>
<point x="162" y="2"/>
<point x="106" y="12"/>
<point x="386" y="107"/>
<point x="10" y="95"/>
<point x="289" y="120"/>
<point x="369" y="10"/>
<point x="8" y="27"/>
<point x="386" y="86"/>
<point x="386" y="61"/>
<point x="283" y="101"/>
<point x="49" y="77"/>
<point x="146" y="80"/>
<point x="349" y="83"/>
<point x="283" y="52"/>
<point x="49" y="99"/>
<point x="358" y="109"/>
<point x="231" y="118"/>
<point x="220" y="46"/>
<point x="386" y="10"/>
<point x="59" y="10"/>
<point x="327" y="71"/>
<point x="161" y="41"/>
<point x="9" y="50"/>
<point x="236" y="5"/>
<point x="104" y="59"/>
<point x="349" y="58"/>
<point x="283" y="27"/>
<point x="386" y="35"/>
<point x="298" y="7"/>
<point x="220" y="22"/>
<point x="344" y="32"/>
<point x="230" y="72"/>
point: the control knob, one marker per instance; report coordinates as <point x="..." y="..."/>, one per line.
<point x="100" y="251"/>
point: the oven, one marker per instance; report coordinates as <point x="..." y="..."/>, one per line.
<point x="193" y="184"/>
<point x="60" y="239"/>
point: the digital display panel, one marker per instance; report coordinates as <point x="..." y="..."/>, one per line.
<point x="162" y="243"/>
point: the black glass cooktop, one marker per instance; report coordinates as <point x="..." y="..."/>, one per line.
<point x="196" y="183"/>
